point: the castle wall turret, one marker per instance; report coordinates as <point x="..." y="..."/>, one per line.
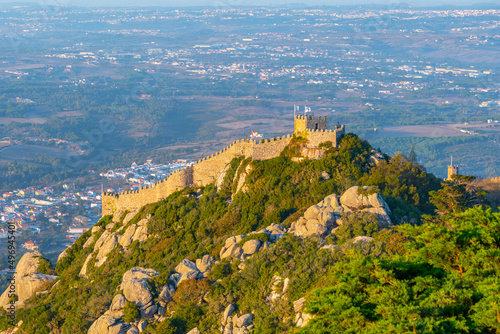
<point x="310" y="123"/>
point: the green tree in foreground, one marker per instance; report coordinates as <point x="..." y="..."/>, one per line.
<point x="447" y="282"/>
<point x="457" y="195"/>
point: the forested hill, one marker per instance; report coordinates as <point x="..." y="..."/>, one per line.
<point x="354" y="242"/>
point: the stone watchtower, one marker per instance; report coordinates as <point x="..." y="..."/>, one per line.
<point x="309" y="123"/>
<point x="452" y="170"/>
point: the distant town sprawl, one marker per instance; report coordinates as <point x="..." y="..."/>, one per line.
<point x="70" y="209"/>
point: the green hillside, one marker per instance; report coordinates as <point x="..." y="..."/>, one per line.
<point x="434" y="269"/>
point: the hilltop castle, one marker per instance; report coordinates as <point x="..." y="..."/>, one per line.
<point x="208" y="169"/>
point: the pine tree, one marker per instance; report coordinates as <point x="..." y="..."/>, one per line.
<point x="412" y="156"/>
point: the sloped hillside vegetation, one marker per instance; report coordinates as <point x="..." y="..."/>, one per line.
<point x="229" y="259"/>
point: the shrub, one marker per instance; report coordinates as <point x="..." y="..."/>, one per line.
<point x="221" y="270"/>
<point x="44" y="266"/>
<point x="326" y="144"/>
<point x="131" y="312"/>
<point x="191" y="291"/>
<point x="357" y="224"/>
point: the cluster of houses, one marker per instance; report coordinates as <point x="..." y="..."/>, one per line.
<point x="36" y="209"/>
<point x="23" y="209"/>
<point x="147" y="173"/>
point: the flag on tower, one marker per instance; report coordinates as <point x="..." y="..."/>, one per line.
<point x="255" y="134"/>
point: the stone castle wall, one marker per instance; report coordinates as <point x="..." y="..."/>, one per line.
<point x="208" y="169"/>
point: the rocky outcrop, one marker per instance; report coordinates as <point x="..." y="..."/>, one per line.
<point x="126" y="238"/>
<point x="226" y="315"/>
<point x="185" y="266"/>
<point x="242" y="178"/>
<point x="231" y="248"/>
<point x="83" y="271"/>
<point x="220" y="179"/>
<point x="251" y="246"/>
<point x="28" y="280"/>
<point x="135" y="289"/>
<point x="318" y="220"/>
<point x="279" y="287"/>
<point x="322" y="218"/>
<point x="106" y="324"/>
<point x="141" y="234"/>
<point x="87" y="243"/>
<point x="205" y="263"/>
<point x="301" y="318"/>
<point x="236" y="324"/>
<point x="104" y="248"/>
<point x="354" y="200"/>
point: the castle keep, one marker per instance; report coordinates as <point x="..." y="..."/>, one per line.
<point x="208" y="169"/>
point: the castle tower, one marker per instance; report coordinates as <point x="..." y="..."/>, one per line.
<point x="309" y="123"/>
<point x="452" y="170"/>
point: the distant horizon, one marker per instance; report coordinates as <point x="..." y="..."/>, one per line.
<point x="252" y="3"/>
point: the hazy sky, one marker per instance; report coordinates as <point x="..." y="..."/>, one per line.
<point x="235" y="3"/>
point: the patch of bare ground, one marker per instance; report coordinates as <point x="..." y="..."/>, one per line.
<point x="420" y="131"/>
<point x="70" y="113"/>
<point x="34" y="120"/>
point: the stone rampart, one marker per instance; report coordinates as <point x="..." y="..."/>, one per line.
<point x="270" y="148"/>
<point x="208" y="169"/>
<point x="314" y="138"/>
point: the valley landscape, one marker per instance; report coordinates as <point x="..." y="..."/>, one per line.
<point x="249" y="169"/>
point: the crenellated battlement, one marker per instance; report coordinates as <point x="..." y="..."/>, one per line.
<point x="208" y="169"/>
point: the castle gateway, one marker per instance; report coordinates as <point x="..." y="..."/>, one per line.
<point x="208" y="169"/>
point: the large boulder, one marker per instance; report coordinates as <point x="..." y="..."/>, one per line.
<point x="185" y="266"/>
<point x="194" y="331"/>
<point x="102" y="325"/>
<point x="232" y="250"/>
<point x="105" y="248"/>
<point x="28" y="280"/>
<point x="29" y="285"/>
<point x="382" y="215"/>
<point x="141" y="233"/>
<point x="298" y="305"/>
<point x="205" y="263"/>
<point x="129" y="217"/>
<point x="191" y="274"/>
<point x="135" y="287"/>
<point x="167" y="293"/>
<point x="251" y="246"/>
<point x="126" y="239"/>
<point x="118" y="303"/>
<point x="244" y="320"/>
<point x="226" y="316"/>
<point x="353" y="199"/>
<point x="312" y="212"/>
